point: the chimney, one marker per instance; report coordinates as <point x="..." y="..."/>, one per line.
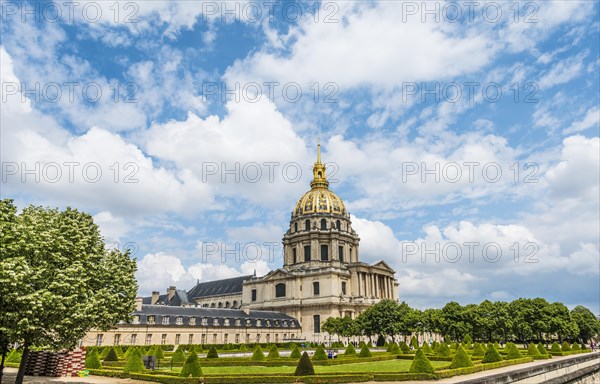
<point x="138" y="303"/>
<point x="171" y="292"/>
<point x="155" y="297"/>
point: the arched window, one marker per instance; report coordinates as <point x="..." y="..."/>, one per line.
<point x="323" y="224"/>
<point x="324" y="252"/>
<point x="294" y="256"/>
<point x="338" y="225"/>
<point x="307" y="225"/>
<point x="220" y="305"/>
<point x="307" y="253"/>
<point x="280" y="290"/>
<point x="295" y="227"/>
<point x="341" y="252"/>
<point x="212" y="305"/>
<point x="320" y="174"/>
<point x="227" y="304"/>
<point x="234" y="303"/>
<point x="316" y="288"/>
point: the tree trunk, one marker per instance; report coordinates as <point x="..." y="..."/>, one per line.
<point x="24" y="357"/>
<point x="4" y="351"/>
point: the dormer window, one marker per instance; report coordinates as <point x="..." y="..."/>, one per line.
<point x="204" y="321"/>
<point x="192" y="321"/>
<point x="179" y="320"/>
<point x="216" y="322"/>
<point x="151" y="319"/>
<point x="165" y="320"/>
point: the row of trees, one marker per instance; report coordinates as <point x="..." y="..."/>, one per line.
<point x="57" y="279"/>
<point x="519" y="320"/>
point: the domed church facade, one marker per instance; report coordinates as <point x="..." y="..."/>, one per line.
<point x="322" y="275"/>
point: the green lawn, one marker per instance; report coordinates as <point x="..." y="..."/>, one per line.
<point x="374" y="366"/>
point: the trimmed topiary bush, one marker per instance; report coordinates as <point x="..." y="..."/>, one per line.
<point x="404" y="347"/>
<point x="414" y="343"/>
<point x="134" y="362"/>
<point x="532" y="350"/>
<point x="427" y="349"/>
<point x="111" y="355"/>
<point x="320" y="354"/>
<point x="365" y="352"/>
<point x="295" y="352"/>
<point x="565" y="347"/>
<point x="491" y="355"/>
<point x="273" y="352"/>
<point x="541" y="349"/>
<point x="443" y="350"/>
<point x="191" y="367"/>
<point x="350" y="350"/>
<point x="467" y="340"/>
<point x="178" y="356"/>
<point x="258" y="354"/>
<point x="305" y="366"/>
<point x="92" y="360"/>
<point x="575" y="347"/>
<point x="128" y="352"/>
<point x="242" y="348"/>
<point x="191" y="349"/>
<point x="395" y="349"/>
<point x="555" y="347"/>
<point x="461" y="359"/>
<point x="478" y="350"/>
<point x="159" y="353"/>
<point x="513" y="352"/>
<point x="421" y="364"/>
<point x="212" y="353"/>
<point x="435" y="346"/>
<point x="497" y="346"/>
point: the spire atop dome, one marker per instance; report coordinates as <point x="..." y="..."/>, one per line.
<point x="319" y="179"/>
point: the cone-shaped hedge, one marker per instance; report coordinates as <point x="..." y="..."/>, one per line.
<point x="443" y="350"/>
<point x="404" y="347"/>
<point x="191" y="367"/>
<point x="575" y="347"/>
<point x="92" y="359"/>
<point x="212" y="353"/>
<point x="565" y="347"/>
<point x="541" y="349"/>
<point x="242" y="348"/>
<point x="513" y="351"/>
<point x="478" y="350"/>
<point x="305" y="366"/>
<point x="497" y="346"/>
<point x="191" y="349"/>
<point x="532" y="350"/>
<point x="395" y="349"/>
<point x="15" y="357"/>
<point x="128" y="352"/>
<point x="320" y="354"/>
<point x="273" y="352"/>
<point x="134" y="362"/>
<point x="258" y="354"/>
<point x="467" y="340"/>
<point x="104" y="352"/>
<point x="365" y="352"/>
<point x="350" y="350"/>
<point x="435" y="345"/>
<point x="119" y="351"/>
<point x="414" y="343"/>
<point x="111" y="355"/>
<point x="491" y="355"/>
<point x="461" y="359"/>
<point x="159" y="353"/>
<point x="427" y="349"/>
<point x="295" y="352"/>
<point x="555" y="347"/>
<point x="421" y="364"/>
<point x="178" y="356"/>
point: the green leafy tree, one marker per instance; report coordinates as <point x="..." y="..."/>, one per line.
<point x="295" y="352"/>
<point x="320" y="353"/>
<point x="134" y="362"/>
<point x="586" y="322"/>
<point x="57" y="279"/>
<point x="332" y="326"/>
<point x="512" y="352"/>
<point x="491" y="355"/>
<point x="273" y="352"/>
<point x="258" y="354"/>
<point x="212" y="353"/>
<point x="443" y="350"/>
<point x="461" y="359"/>
<point x="350" y="350"/>
<point x="111" y="355"/>
<point x="421" y="364"/>
<point x="191" y="367"/>
<point x="92" y="359"/>
<point x="305" y="366"/>
<point x="365" y="351"/>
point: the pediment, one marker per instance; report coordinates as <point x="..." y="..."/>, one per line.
<point x="382" y="264"/>
<point x="277" y="274"/>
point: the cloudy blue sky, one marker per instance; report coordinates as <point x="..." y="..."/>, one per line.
<point x="464" y="139"/>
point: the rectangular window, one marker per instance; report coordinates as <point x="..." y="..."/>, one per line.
<point x="214" y="338"/>
<point x="247" y="338"/>
<point x="317" y="323"/>
<point x="165" y="320"/>
<point x="258" y="337"/>
<point x="204" y="321"/>
<point x="225" y="338"/>
<point x="134" y="339"/>
<point x="294" y="255"/>
<point x="254" y="295"/>
<point x="268" y="338"/>
<point x="324" y="252"/>
<point x="192" y="321"/>
<point x="238" y="322"/>
<point x="179" y="320"/>
<point x="277" y="337"/>
<point x="163" y="339"/>
<point x="135" y="320"/>
<point x="341" y="253"/>
<point x="151" y="319"/>
<point x="203" y="339"/>
<point x="226" y="322"/>
<point x="237" y="338"/>
<point x="177" y="339"/>
<point x="343" y="287"/>
<point x="191" y="339"/>
<point x="99" y="340"/>
<point x="216" y="322"/>
<point x="316" y="288"/>
<point x="307" y="253"/>
<point x="117" y="339"/>
<point x="149" y="339"/>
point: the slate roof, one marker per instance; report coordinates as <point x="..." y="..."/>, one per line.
<point x="218" y="287"/>
<point x="180" y="298"/>
<point x="214" y="317"/>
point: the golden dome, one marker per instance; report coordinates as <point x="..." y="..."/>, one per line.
<point x="319" y="199"/>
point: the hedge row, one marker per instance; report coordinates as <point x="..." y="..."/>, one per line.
<point x="430" y="357"/>
<point x="566" y="353"/>
<point x="444" y="373"/>
<point x="165" y="379"/>
<point x="403" y="376"/>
